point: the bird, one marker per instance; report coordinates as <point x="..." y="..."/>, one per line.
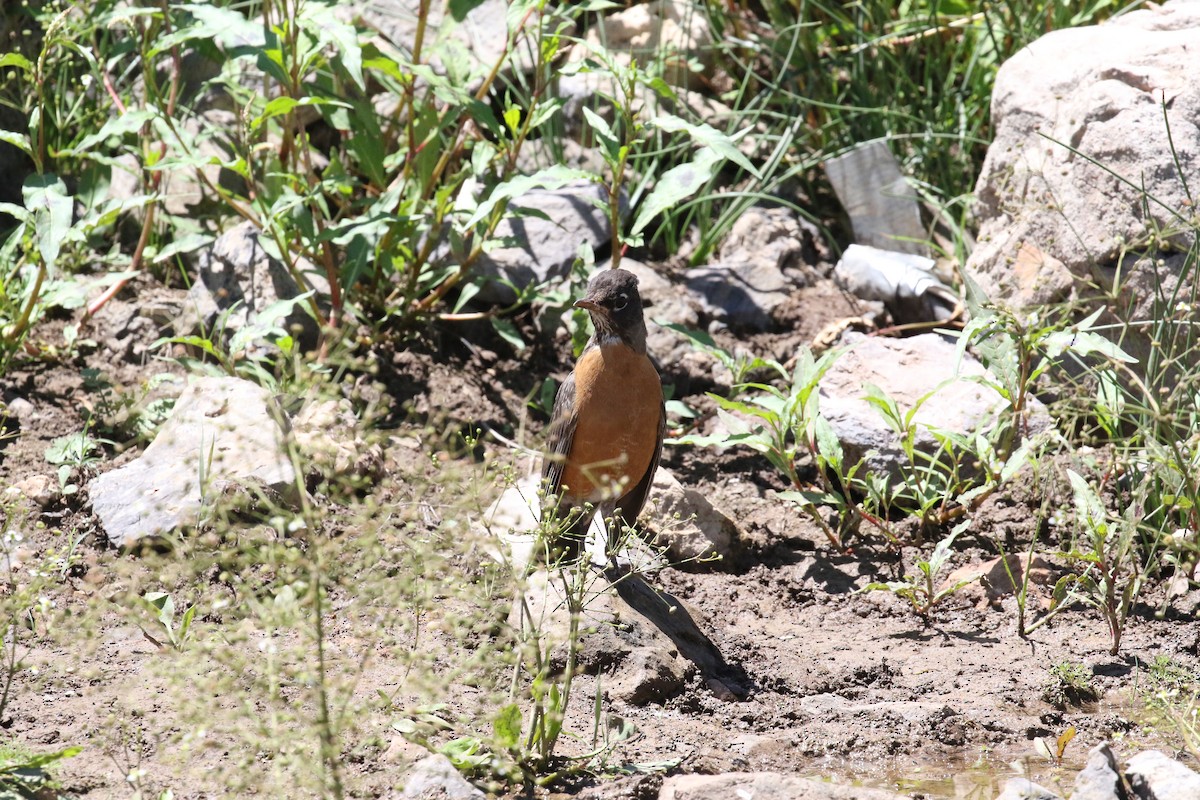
<point x="606" y="429"/>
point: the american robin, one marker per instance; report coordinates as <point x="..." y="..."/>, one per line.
<point x="607" y="429"/>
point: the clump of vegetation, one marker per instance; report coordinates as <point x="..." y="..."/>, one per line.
<point x="1069" y="684"/>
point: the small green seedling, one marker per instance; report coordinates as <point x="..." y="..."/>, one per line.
<point x="919" y="588"/>
<point x="164" y="608"/>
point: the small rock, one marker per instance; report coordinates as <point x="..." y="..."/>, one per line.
<point x="1100" y="778"/>
<point x="328" y="434"/>
<point x="649" y="675"/>
<point x="687" y="524"/>
<point x="743" y="296"/>
<point x="21" y="408"/>
<point x="221" y="435"/>
<point x="994" y="582"/>
<point x="763" y="786"/>
<point x="41" y="489"/>
<point x="1155" y="776"/>
<point x="1025" y="789"/>
<point x="779" y="238"/>
<point x="435" y="778"/>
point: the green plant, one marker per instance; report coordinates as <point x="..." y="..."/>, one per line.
<point x="73" y="453"/>
<point x="787" y="424"/>
<point x="1172" y="695"/>
<point x="1112" y="575"/>
<point x="163" y="608"/>
<point x="23" y="775"/>
<point x="1069" y="684"/>
<point x="920" y="587"/>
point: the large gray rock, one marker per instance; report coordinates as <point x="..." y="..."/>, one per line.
<point x="477" y="41"/>
<point x="222" y="436"/>
<point x="1051" y="219"/>
<point x="1155" y="776"/>
<point x="238" y="282"/>
<point x="763" y="786"/>
<point x="906" y="370"/>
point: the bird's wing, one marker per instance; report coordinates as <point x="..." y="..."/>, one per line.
<point x="562" y="434"/>
<point x="631" y="504"/>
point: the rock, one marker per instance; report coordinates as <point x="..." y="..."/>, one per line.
<point x="40" y="489"/>
<point x="538" y="248"/>
<point x="328" y="435"/>
<point x="435" y="778"/>
<point x="613" y="638"/>
<point x="669" y="32"/>
<point x="742" y="296"/>
<point x="778" y="238"/>
<point x="21" y="408"/>
<point x="906" y="370"/>
<point x="476" y="42"/>
<point x="1050" y="218"/>
<point x="905" y="283"/>
<point x="883" y="207"/>
<point x="238" y="280"/>
<point x="1025" y="789"/>
<point x="222" y="435"/>
<point x="1155" y="776"/>
<point x="686" y="523"/>
<point x="1100" y="779"/>
<point x="763" y="786"/>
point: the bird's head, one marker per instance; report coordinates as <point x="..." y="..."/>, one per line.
<point x="615" y="306"/>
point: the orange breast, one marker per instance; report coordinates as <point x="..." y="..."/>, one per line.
<point x="618" y="402"/>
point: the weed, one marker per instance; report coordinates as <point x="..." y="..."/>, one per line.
<point x="163" y="608"/>
<point x="920" y="588"/>
<point x="1069" y="684"/>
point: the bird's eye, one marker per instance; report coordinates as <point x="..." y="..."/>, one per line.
<point x="622" y="301"/>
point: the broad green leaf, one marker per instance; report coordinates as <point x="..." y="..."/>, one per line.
<point x="129" y="122"/>
<point x="46" y="196"/>
<point x="16" y="60"/>
<point x="549" y="178"/>
<point x="676" y="184"/>
<point x="17" y="140"/>
<point x="508" y="332"/>
<point x="507" y="726"/>
<point x="708" y="136"/>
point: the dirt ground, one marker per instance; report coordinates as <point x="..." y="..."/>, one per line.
<point x="848" y="686"/>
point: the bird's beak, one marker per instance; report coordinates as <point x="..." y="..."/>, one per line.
<point x="590" y="305"/>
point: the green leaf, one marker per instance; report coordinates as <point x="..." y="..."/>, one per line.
<point x="677" y="183"/>
<point x="18" y="140"/>
<point x="129" y="122"/>
<point x="549" y="178"/>
<point x="46" y="196"/>
<point x="508" y="332"/>
<point x="16" y="60"/>
<point x="708" y="136"/>
<point x="507" y="726"/>
<point x="460" y="8"/>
